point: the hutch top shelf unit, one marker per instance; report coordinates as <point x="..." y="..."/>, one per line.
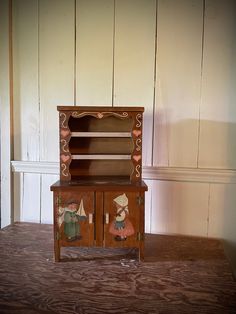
<point x="100" y="143"/>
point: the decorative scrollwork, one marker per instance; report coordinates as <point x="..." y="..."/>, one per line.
<point x="64" y="170"/>
<point x="138" y="119"/>
<point x="137" y="169"/>
<point x="63" y="119"/>
<point x="99" y="115"/>
<point x="138" y="144"/>
<point x="64" y="144"/>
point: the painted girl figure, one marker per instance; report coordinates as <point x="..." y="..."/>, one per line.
<point x="71" y="216"/>
<point x="121" y="227"/>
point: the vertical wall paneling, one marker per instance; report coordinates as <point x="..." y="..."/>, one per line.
<point x="25" y="75"/>
<point x="18" y="179"/>
<point x="179" y="50"/>
<point x="56" y="81"/>
<point x="134" y="60"/>
<point x="94" y="52"/>
<point x="56" y="69"/>
<point x="222" y="214"/>
<point x="218" y="110"/>
<point x="148" y="206"/>
<point x="180" y="207"/>
<point x="30" y="209"/>
<point x="222" y="217"/>
<point x="26" y="103"/>
<point x="5" y="116"/>
<point x="111" y="52"/>
<point x="47" y="198"/>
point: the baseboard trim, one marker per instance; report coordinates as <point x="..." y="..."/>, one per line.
<point x="149" y="173"/>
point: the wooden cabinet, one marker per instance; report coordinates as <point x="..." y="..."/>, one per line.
<point x="99" y="200"/>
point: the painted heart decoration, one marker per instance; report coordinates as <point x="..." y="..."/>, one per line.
<point x="137" y="157"/>
<point x="136" y="132"/>
<point x="64" y="133"/>
<point x="65" y="158"/>
<point x="99" y="115"/>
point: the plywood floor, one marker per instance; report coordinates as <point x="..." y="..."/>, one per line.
<point x="179" y="275"/>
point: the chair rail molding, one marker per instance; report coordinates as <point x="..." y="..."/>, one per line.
<point x="224" y="176"/>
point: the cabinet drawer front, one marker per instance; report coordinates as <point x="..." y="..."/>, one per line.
<point x="123" y="219"/>
<point x="74" y="218"/>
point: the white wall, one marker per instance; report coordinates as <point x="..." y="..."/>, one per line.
<point x="5" y="115"/>
<point x="175" y="58"/>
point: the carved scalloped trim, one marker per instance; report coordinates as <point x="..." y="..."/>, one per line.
<point x="137" y="169"/>
<point x="100" y="115"/>
<point x="63" y="120"/>
<point x="139" y="121"/>
<point x="64" y="170"/>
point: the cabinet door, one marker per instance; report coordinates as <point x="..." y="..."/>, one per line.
<point x="74" y="218"/>
<point x="123" y="219"/>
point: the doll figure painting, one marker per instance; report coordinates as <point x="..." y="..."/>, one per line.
<point x="121" y="227"/>
<point x="69" y="219"/>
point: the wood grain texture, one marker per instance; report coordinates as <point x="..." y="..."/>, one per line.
<point x="183" y="275"/>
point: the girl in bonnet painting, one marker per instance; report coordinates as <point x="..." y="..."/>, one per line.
<point x="121" y="227"/>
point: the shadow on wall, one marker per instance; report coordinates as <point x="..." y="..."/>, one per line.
<point x="188" y="143"/>
<point x="208" y="145"/>
<point x="229" y="220"/>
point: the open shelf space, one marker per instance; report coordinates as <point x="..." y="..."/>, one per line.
<point x="83" y="168"/>
<point x="103" y="145"/>
<point x="100" y="134"/>
<point x="103" y="157"/>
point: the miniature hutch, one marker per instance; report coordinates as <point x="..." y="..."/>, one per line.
<point x="99" y="200"/>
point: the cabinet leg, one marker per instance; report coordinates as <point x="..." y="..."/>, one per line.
<point x="141" y="251"/>
<point x="141" y="254"/>
<point x="57" y="251"/>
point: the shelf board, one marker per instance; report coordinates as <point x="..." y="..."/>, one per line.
<point x="101" y="134"/>
<point x="101" y="157"/>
